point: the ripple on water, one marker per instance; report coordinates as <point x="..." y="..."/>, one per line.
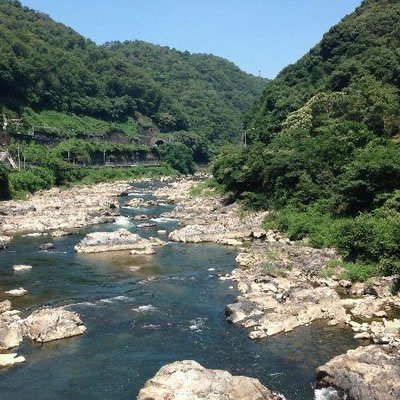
<point x="328" y="394"/>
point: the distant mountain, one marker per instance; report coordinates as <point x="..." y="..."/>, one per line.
<point x="56" y="79"/>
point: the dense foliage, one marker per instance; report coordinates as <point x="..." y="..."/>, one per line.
<point x="4" y="184"/>
<point x="324" y="142"/>
<point x="211" y="92"/>
<point x="178" y="156"/>
<point x="62" y="83"/>
<point x="21" y="183"/>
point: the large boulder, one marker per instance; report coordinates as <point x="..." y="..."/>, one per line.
<point x="267" y="309"/>
<point x="188" y="380"/>
<point x="113" y="241"/>
<point x="10" y="331"/>
<point x="371" y="372"/>
<point x="52" y="324"/>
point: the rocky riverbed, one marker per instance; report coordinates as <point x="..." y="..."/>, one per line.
<point x="285" y="285"/>
<point x="58" y="211"/>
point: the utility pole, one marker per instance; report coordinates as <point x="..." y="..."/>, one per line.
<point x="19" y="158"/>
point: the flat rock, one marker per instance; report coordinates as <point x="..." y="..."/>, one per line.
<point x="113" y="241"/>
<point x="8" y="360"/>
<point x="270" y="314"/>
<point x="52" y="324"/>
<point x="371" y="372"/>
<point x="188" y="380"/>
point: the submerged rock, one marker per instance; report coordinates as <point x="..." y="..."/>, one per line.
<point x="17" y="292"/>
<point x="52" y="324"/>
<point x="188" y="380"/>
<point x="371" y="372"/>
<point x="46" y="246"/>
<point x="113" y="241"/>
<point x="19" y="268"/>
<point x="8" y="360"/>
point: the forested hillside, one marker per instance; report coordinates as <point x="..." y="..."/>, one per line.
<point x="47" y="69"/>
<point x="324" y="140"/>
<point x="210" y="90"/>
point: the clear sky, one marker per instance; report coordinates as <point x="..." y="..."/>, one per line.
<point x="257" y="35"/>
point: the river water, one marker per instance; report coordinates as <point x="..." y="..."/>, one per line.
<point x="142" y="313"/>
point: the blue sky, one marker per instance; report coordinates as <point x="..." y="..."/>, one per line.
<point x="257" y="35"/>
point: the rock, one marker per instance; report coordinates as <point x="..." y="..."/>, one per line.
<point x="362" y="335"/>
<point x="228" y="199"/>
<point x="258" y="233"/>
<point x="161" y="232"/>
<point x="229" y="242"/>
<point x="367" y="307"/>
<point x="345" y="284"/>
<point x="113" y="241"/>
<point x="147" y="246"/>
<point x="46" y="246"/>
<point x="208" y="233"/>
<point x="273" y="313"/>
<point x="370" y="372"/>
<point x="140" y="217"/>
<point x="371" y="291"/>
<point x="135" y="202"/>
<point x="58" y="209"/>
<point x="10" y="331"/>
<point x="146" y="225"/>
<point x="8" y="360"/>
<point x="15" y="210"/>
<point x="17" y="292"/>
<point x="19" y="268"/>
<point x="4" y="242"/>
<point x="5" y="306"/>
<point x="242" y="311"/>
<point x="188" y="380"/>
<point x="52" y="324"/>
<point x="59" y="233"/>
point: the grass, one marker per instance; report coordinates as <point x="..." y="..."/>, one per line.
<point x="69" y="125"/>
<point x="272" y="270"/>
<point x="206" y="188"/>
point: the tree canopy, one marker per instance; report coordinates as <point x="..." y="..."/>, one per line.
<point x="324" y="136"/>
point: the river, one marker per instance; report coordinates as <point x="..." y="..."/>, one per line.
<point x="144" y="312"/>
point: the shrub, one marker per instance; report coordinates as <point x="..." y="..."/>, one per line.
<point x="4" y="184"/>
<point x="30" y="181"/>
<point x="357" y="272"/>
<point x="178" y="156"/>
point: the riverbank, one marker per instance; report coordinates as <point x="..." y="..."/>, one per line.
<point x="285" y="285"/>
